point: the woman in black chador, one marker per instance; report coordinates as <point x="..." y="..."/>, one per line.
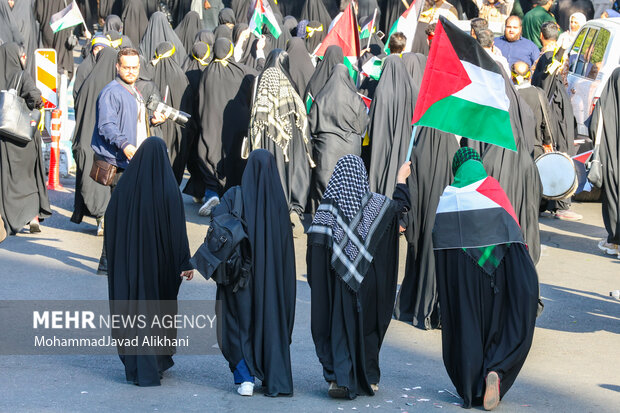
<point x="487" y="284"/>
<point x="352" y="260"/>
<point x="23" y="196"/>
<point x="147" y="250"/>
<point x="257" y="320"/>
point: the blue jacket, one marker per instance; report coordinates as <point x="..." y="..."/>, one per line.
<point x="523" y="50"/>
<point x="116" y="123"/>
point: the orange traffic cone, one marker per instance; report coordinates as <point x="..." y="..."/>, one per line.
<point x="53" y="178"/>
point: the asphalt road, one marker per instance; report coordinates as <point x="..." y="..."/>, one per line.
<point x="572" y="366"/>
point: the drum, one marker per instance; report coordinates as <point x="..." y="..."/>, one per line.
<point x="558" y="175"/>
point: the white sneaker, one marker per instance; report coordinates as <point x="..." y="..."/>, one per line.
<point x="246" y="388"/>
<point x="206" y="209"/>
<point x="607" y="248"/>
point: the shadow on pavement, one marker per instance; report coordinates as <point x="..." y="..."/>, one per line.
<point x="578" y="311"/>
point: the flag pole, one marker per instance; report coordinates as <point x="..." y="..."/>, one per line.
<point x="408" y="158"/>
<point x="374" y="16"/>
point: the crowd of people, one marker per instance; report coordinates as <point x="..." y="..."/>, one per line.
<point x="294" y="134"/>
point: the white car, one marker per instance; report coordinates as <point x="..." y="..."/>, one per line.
<point x="593" y="56"/>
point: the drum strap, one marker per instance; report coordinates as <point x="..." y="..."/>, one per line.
<point x="544" y="104"/>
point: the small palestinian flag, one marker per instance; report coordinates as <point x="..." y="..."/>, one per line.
<point x="372" y="68"/>
<point x="344" y="34"/>
<point x="463" y="90"/>
<point x="68" y="17"/>
<point x="474" y="212"/>
<point x="580" y="161"/>
<point x="263" y="15"/>
<point x="407" y="24"/>
<point x="368" y="29"/>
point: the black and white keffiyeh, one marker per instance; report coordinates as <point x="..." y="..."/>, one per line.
<point x="350" y="220"/>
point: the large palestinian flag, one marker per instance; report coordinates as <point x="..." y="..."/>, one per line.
<point x="468" y="206"/>
<point x="463" y="90"/>
<point x="344" y="34"/>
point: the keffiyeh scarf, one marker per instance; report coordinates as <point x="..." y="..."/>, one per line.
<point x="351" y="221"/>
<point x="277" y="111"/>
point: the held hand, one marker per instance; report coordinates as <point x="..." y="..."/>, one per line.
<point x="158" y="118"/>
<point x="404" y="172"/>
<point x="188" y="274"/>
<point x="130" y="151"/>
<point x="260" y="45"/>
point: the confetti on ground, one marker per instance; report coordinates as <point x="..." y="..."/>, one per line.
<point x="195" y="395"/>
<point x="526" y="405"/>
<point x="424" y="400"/>
<point x="409" y="364"/>
<point x="440" y="391"/>
<point x="456" y="404"/>
<point x="409" y="404"/>
<point x="416" y="388"/>
<point x="404" y="396"/>
<point x="406" y="389"/>
<point x="454" y="395"/>
<point x="367" y="405"/>
<point x="388" y="401"/>
<point x="438" y="406"/>
<point x="341" y="408"/>
<point x="377" y="406"/>
<point x="353" y="408"/>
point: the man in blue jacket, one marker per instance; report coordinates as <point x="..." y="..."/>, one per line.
<point x="122" y="121"/>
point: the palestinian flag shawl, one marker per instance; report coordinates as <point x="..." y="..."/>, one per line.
<point x="475" y="214"/>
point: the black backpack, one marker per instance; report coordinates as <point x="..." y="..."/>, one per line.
<point x="226" y="255"/>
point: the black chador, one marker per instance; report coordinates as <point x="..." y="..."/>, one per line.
<point x="135" y="20"/>
<point x="157" y="31"/>
<point x="91" y="198"/>
<point x="352" y="260"/>
<point x="175" y="91"/>
<point x="609" y="106"/>
<point x="487" y="282"/>
<point x="337" y="121"/>
<point x="257" y="320"/>
<point x="431" y="158"/>
<point x="147" y="250"/>
<point x="224" y="103"/>
<point x="23" y="194"/>
<point x="390" y="127"/>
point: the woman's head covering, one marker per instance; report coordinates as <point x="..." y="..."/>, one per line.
<point x="315" y="33"/>
<point x="197" y="62"/>
<point x="301" y="68"/>
<point x="223" y="49"/>
<point x="463" y="155"/>
<point x="158" y="31"/>
<point x="115" y="39"/>
<point x="188" y="28"/>
<point x="206" y="36"/>
<point x="348" y="219"/>
<point x="290" y="24"/>
<point x="415" y="64"/>
<point x="112" y="23"/>
<point x="226" y="16"/>
<point x="581" y="19"/>
<point x="333" y="56"/>
<point x="301" y="29"/>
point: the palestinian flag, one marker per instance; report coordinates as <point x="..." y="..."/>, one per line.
<point x="344" y="34"/>
<point x="463" y="90"/>
<point x="68" y="17"/>
<point x="580" y="161"/>
<point x="263" y="15"/>
<point x="407" y="24"/>
<point x="309" y="102"/>
<point x="372" y="68"/>
<point x="474" y="212"/>
<point x="367" y="30"/>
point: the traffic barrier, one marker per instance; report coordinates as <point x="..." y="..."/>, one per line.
<point x="53" y="178"/>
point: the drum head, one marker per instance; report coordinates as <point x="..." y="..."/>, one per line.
<point x="557" y="174"/>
